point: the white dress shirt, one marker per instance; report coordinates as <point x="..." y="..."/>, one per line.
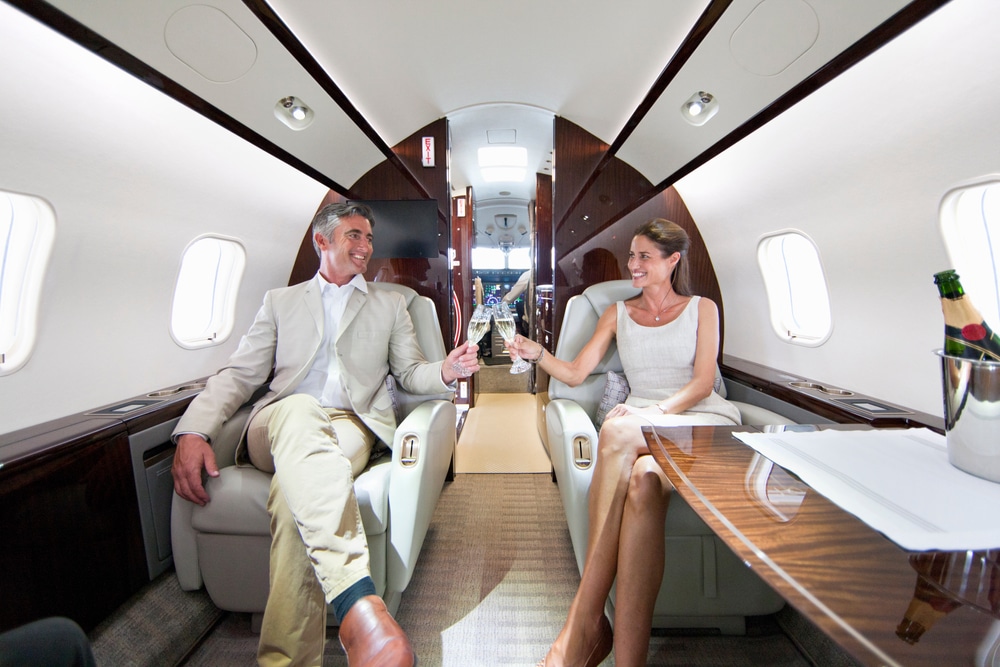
<point x="323" y="381"/>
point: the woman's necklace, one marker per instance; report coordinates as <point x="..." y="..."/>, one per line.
<point x="662" y="308"/>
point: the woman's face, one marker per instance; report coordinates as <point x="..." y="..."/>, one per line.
<point x="647" y="264"/>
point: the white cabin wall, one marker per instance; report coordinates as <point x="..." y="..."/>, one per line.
<point x="861" y="166"/>
<point x="133" y="177"/>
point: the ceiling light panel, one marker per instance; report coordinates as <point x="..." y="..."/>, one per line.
<point x="503" y="156"/>
<point x="664" y="142"/>
<point x="143" y="29"/>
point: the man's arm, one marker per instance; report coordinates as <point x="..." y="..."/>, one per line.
<point x="246" y="370"/>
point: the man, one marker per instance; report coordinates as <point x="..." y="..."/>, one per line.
<point x="510" y="297"/>
<point x="331" y="343"/>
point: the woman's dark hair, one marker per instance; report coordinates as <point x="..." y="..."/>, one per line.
<point x="670" y="237"/>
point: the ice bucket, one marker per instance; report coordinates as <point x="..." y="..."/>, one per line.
<point x="972" y="414"/>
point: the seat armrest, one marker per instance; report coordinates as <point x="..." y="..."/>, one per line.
<point x="422" y="452"/>
<point x="573" y="446"/>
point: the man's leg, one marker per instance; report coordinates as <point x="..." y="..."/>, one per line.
<point x="318" y="548"/>
<point x="293" y="631"/>
<point x="316" y="525"/>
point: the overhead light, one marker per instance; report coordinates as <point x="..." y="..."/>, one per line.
<point x="503" y="163"/>
<point x="293" y="112"/>
<point x="699" y="108"/>
<point x="503" y="174"/>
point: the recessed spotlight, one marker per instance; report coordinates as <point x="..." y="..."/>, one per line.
<point x="699" y="108"/>
<point x="293" y="112"/>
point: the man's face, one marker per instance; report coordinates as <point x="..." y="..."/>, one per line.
<point x="347" y="253"/>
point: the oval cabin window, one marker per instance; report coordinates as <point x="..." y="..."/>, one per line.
<point x="27" y="232"/>
<point x="204" y="308"/>
<point x="796" y="287"/>
<point x="970" y="228"/>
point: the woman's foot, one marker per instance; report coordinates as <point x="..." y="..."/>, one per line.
<point x="598" y="652"/>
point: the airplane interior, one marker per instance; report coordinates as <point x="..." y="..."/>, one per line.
<point x="161" y="163"/>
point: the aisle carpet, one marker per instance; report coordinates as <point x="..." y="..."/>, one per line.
<point x="494" y="582"/>
<point x="156" y="627"/>
<point x="501" y="436"/>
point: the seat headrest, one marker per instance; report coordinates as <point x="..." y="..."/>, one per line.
<point x="602" y="295"/>
<point x="423" y="313"/>
<point x="579" y="322"/>
<point x="407" y="292"/>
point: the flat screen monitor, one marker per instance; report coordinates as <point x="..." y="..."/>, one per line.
<point x="405" y="228"/>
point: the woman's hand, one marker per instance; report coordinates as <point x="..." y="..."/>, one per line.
<point x="621" y="410"/>
<point x="525" y="348"/>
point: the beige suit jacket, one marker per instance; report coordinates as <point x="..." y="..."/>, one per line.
<point x="376" y="337"/>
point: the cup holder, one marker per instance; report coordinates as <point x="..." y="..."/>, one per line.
<point x="163" y="393"/>
<point x="821" y="388"/>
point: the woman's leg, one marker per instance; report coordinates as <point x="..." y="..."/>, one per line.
<point x="619" y="446"/>
<point x="640" y="560"/>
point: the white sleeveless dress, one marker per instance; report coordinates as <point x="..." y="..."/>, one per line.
<point x="659" y="361"/>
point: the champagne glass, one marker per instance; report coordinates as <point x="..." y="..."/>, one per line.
<point x="479" y="324"/>
<point x="505" y="325"/>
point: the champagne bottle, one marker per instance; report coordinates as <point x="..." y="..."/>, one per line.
<point x="926" y="608"/>
<point x="965" y="333"/>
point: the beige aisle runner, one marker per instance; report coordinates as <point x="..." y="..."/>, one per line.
<point x="501" y="436"/>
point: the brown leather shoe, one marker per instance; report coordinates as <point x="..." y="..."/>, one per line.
<point x="372" y="638"/>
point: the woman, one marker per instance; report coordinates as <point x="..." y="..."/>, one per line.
<point x="668" y="341"/>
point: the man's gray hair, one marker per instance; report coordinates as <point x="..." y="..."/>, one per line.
<point x="331" y="215"/>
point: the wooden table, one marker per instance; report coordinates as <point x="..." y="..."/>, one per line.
<point x="880" y="603"/>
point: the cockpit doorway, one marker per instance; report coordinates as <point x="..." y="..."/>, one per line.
<point x="503" y="277"/>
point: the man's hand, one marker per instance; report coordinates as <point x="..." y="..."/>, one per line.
<point x="193" y="454"/>
<point x="463" y="357"/>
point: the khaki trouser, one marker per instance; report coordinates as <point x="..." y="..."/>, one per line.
<point x="318" y="544"/>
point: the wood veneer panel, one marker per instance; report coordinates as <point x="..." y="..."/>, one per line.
<point x="577" y="154"/>
<point x="852" y="582"/>
<point x="616" y="238"/>
<point x="544" y="270"/>
<point x="398" y="179"/>
<point x="777" y="384"/>
<point x="72" y="541"/>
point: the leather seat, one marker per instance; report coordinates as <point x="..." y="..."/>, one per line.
<point x="704" y="583"/>
<point x="224" y="546"/>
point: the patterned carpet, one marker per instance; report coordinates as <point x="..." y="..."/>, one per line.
<point x="156" y="627"/>
<point x="494" y="582"/>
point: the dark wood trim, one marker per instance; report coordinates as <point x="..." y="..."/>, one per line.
<point x="894" y="26"/>
<point x="54" y="438"/>
<point x="72" y="540"/>
<point x="70" y="516"/>
<point x="92" y="41"/>
<point x="543" y="246"/>
<point x="777" y="384"/>
<point x="702" y="27"/>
